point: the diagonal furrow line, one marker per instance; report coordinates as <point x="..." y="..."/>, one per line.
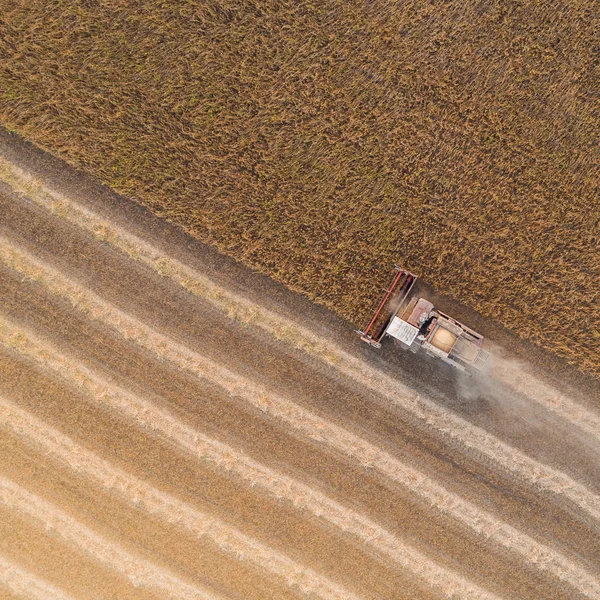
<point x="451" y="426"/>
<point x="27" y="585"/>
<point x="304" y="422"/>
<point x="145" y="497"/>
<point x="139" y="572"/>
<point x="229" y="459"/>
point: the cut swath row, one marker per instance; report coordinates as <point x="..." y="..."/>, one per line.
<point x="165" y="507"/>
<point x="309" y="425"/>
<point x="139" y="572"/>
<point x="240" y="308"/>
<point x="519" y="377"/>
<point x="282" y="488"/>
<point x="25" y="584"/>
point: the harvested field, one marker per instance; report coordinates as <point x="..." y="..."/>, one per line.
<point x="175" y="426"/>
<point x="322" y="143"/>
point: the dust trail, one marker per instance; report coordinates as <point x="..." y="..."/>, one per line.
<point x="442" y="421"/>
<point x="139" y="572"/>
<point x="518" y="376"/>
<point x="285" y="488"/>
<point x="144" y="497"/>
<point x="27" y="585"/>
<point x="450" y="425"/>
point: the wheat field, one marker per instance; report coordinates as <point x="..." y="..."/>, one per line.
<point x="322" y="142"/>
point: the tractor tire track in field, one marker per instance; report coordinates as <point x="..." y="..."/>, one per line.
<point x="567" y="574"/>
<point x="516" y="376"/>
<point x="26" y="585"/>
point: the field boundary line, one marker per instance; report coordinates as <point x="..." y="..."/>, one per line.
<point x="309" y="425"/>
<point x="139" y="572"/>
<point x="178" y="513"/>
<point x="427" y="412"/>
<point x="27" y="585"/>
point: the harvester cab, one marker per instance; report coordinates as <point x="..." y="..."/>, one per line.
<point x="416" y="325"/>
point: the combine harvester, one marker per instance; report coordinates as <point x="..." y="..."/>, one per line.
<point x="414" y="323"/>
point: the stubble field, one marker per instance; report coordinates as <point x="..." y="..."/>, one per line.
<point x="322" y="142"/>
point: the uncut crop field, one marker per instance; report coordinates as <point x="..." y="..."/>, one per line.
<point x="323" y="142"/>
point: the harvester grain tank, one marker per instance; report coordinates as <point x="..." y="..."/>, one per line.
<point x="416" y="325"/>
